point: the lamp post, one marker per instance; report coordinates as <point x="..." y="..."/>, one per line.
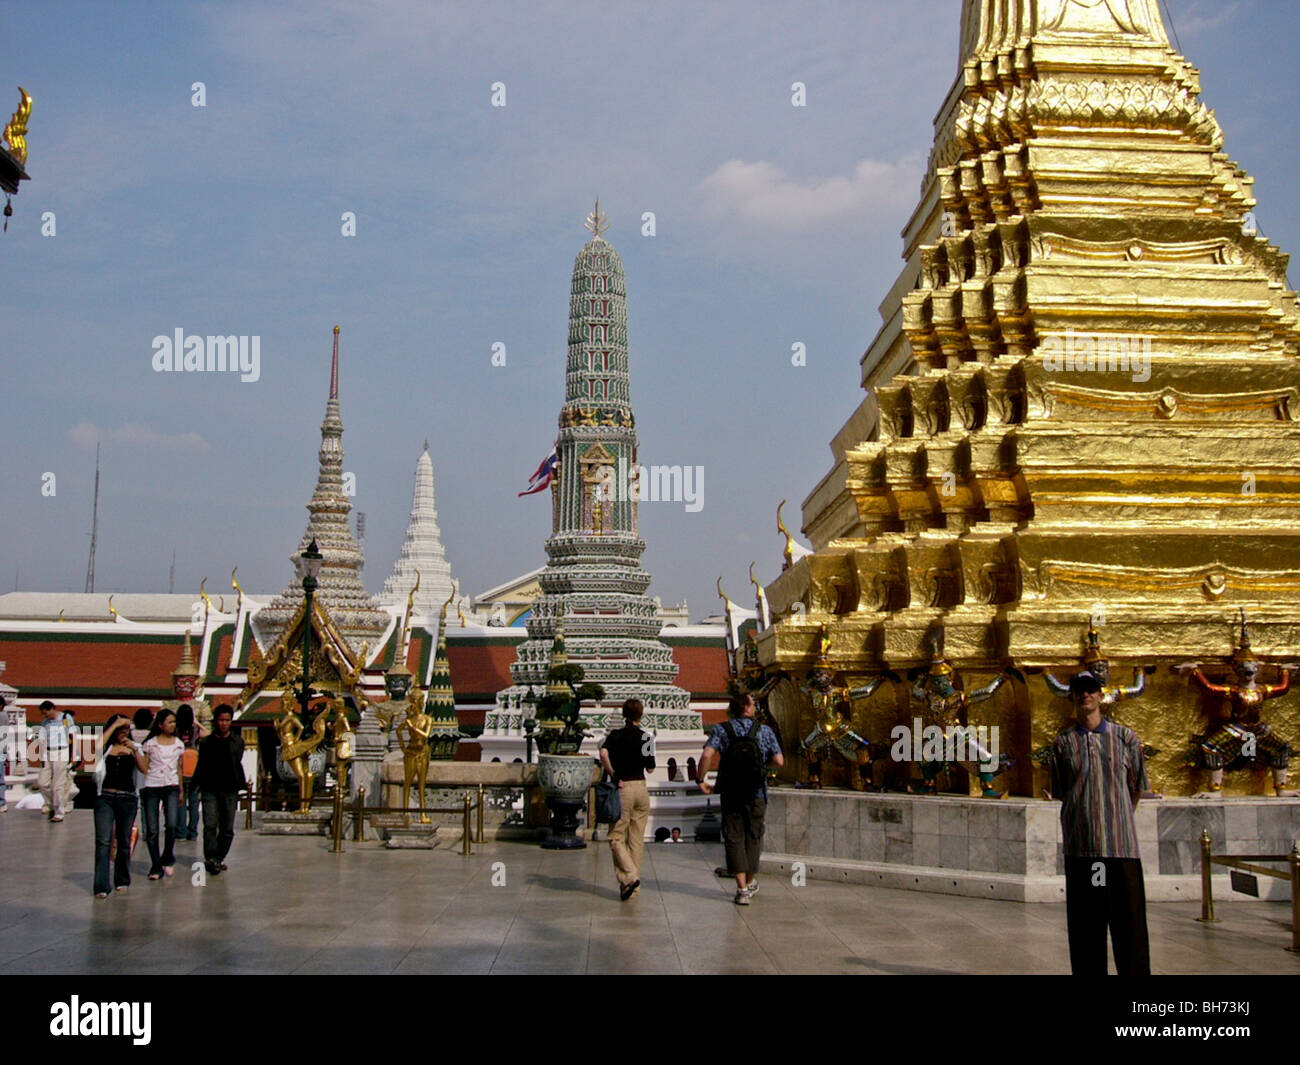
<point x="309" y="563"/>
<point x="530" y="724"/>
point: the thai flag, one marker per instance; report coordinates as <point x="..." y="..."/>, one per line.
<point x="545" y="473"/>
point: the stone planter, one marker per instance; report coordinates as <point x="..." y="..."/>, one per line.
<point x="565" y="779"/>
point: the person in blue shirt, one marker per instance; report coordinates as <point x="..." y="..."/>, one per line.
<point x="55" y="735"/>
<point x="744" y="806"/>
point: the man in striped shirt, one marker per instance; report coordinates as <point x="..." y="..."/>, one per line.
<point x="1098" y="773"/>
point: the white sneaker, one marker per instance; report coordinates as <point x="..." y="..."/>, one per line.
<point x="742" y="897"/>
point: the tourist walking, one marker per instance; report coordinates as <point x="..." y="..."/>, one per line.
<point x="220" y="776"/>
<point x="189" y="732"/>
<point x="743" y="750"/>
<point x="116" y="803"/>
<point x="627" y="754"/>
<point x="162" y="788"/>
<point x="1098" y="773"/>
<point x="54" y="736"/>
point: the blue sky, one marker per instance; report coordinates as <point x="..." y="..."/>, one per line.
<point x="775" y="225"/>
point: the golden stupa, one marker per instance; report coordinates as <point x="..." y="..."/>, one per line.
<point x="1080" y="409"/>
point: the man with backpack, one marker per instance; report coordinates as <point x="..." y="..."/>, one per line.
<point x="742" y="749"/>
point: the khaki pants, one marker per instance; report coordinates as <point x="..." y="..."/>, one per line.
<point x="54" y="778"/>
<point x="627" y="837"/>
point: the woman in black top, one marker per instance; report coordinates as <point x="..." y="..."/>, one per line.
<point x="116" y="803"/>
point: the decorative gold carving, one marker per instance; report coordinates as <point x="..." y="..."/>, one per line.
<point x="15" y="134"/>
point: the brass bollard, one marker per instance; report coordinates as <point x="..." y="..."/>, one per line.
<point x="1295" y="898"/>
<point x="1207" y="890"/>
<point x="359" y="817"/>
<point x="336" y="820"/>
<point x="465" y="838"/>
<point x="479" y="839"/>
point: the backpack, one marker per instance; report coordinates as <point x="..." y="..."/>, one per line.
<point x="743" y="767"/>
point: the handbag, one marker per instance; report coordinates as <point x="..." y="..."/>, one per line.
<point x="609" y="805"/>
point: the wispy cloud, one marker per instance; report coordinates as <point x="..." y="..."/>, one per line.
<point x="762" y="194"/>
<point x="133" y="434"/>
<point x="1195" y="18"/>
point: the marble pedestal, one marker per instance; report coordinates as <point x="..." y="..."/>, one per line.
<point x="1009" y="848"/>
<point x="315" y="822"/>
<point x="400" y="834"/>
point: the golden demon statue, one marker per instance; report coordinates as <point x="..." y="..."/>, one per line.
<point x="944" y="704"/>
<point x="1244" y="738"/>
<point x="1099" y="666"/>
<point x="832" y="706"/>
<point x="296" y="745"/>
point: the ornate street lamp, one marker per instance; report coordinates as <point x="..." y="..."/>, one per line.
<point x="530" y="724"/>
<point x="309" y="564"/>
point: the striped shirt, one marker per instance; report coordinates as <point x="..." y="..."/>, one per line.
<point x="1098" y="777"/>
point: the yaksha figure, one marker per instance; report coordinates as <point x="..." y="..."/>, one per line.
<point x="1112" y="695"/>
<point x="1244" y="738"/>
<point x="944" y="705"/>
<point x="833" y="731"/>
<point x="188" y="691"/>
<point x="1099" y="666"/>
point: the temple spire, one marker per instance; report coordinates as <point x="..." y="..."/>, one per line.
<point x="990" y="27"/>
<point x="334" y="367"/>
<point x="593" y="609"/>
<point x="597" y="222"/>
<point x="340" y="589"/>
<point x="422" y="550"/>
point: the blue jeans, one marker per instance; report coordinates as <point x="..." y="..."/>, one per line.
<point x="170" y="799"/>
<point x="218" y="823"/>
<point x="114" y="814"/>
<point x="191" y="819"/>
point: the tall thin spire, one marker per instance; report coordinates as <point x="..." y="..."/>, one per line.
<point x="340" y="589"/>
<point x="94" y="529"/>
<point x="334" y="367"/>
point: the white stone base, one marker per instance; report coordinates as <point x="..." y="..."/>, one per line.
<point x="1010" y="848"/>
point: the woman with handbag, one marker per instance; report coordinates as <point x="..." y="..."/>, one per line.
<point x="162" y="787"/>
<point x="627" y="754"/>
<point x="116" y="803"/>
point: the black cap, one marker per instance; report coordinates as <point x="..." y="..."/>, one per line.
<point x="1084" y="682"/>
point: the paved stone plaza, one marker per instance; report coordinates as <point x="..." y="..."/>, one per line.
<point x="289" y="905"/>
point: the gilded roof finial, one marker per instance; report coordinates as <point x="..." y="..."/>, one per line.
<point x="596" y="221"/>
<point x="16" y="130"/>
<point x="235" y="582"/>
<point x="789" y="539"/>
